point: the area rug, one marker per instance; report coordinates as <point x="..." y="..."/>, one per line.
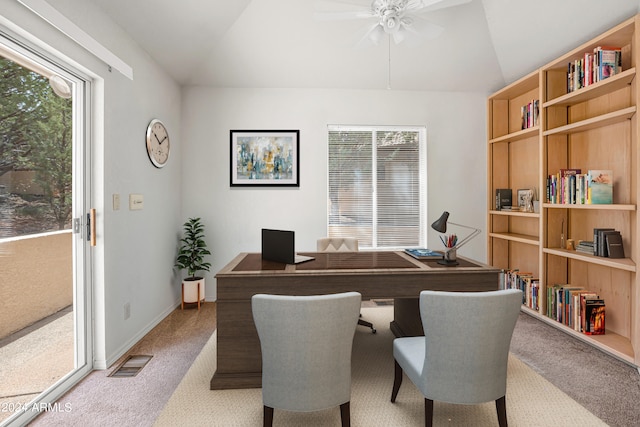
<point x="531" y="400"/>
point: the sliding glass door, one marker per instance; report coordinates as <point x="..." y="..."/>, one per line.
<point x="45" y="339"/>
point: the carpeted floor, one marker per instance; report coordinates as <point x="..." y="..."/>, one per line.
<point x="531" y="400"/>
<point x="610" y="390"/>
<point x="100" y="400"/>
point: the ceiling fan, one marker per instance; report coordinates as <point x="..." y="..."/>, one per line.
<point x="399" y="19"/>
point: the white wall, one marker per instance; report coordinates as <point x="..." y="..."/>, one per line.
<point x="233" y="217"/>
<point x="133" y="261"/>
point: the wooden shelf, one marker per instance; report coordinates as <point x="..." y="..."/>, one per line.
<point x="525" y="84"/>
<point x="617" y="263"/>
<point x="611" y="343"/>
<point x="595" y="90"/>
<point x="595" y="127"/>
<point x="517" y="136"/>
<point x="514" y="237"/>
<point x="516" y="213"/>
<point x="614" y="207"/>
<point x="594" y="122"/>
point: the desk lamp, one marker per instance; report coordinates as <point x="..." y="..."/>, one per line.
<point x="440" y="225"/>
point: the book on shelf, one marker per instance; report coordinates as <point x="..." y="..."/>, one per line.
<point x="585" y="247"/>
<point x="609" y="61"/>
<point x="600" y="190"/>
<point x="503" y="198"/>
<point x="568" y="308"/>
<point x="530" y="286"/>
<point x="592" y="67"/>
<point x="598" y="240"/>
<point x="575" y="308"/>
<point x="594" y="315"/>
<point x="582" y="298"/>
<point x="529" y="114"/>
<point x="424" y="253"/>
<point x="613" y="244"/>
<point x="568" y="186"/>
<point x="516" y="279"/>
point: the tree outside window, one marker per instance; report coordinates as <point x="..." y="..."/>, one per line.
<point x="35" y="154"/>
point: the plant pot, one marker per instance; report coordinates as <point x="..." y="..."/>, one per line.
<point x="192" y="291"/>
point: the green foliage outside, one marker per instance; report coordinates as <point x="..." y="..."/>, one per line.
<point x="35" y="135"/>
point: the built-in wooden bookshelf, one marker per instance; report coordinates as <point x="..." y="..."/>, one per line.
<point x="595" y="127"/>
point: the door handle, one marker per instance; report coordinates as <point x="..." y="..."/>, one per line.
<point x="91" y="227"/>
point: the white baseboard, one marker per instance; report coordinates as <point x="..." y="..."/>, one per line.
<point x="101" y="364"/>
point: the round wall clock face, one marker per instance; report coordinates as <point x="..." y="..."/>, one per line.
<point x="158" y="147"/>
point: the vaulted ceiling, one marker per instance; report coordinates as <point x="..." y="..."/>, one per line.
<point x="282" y="44"/>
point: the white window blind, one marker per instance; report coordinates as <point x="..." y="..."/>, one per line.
<point x="377" y="185"/>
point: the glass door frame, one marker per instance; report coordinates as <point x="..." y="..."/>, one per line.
<point x="82" y="256"/>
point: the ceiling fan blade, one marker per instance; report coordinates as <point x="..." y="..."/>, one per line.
<point x="343" y="16"/>
<point x="334" y="4"/>
<point x="420" y="6"/>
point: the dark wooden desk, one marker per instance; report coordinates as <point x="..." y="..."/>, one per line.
<point x="373" y="274"/>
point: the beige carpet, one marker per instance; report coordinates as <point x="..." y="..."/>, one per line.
<point x="531" y="400"/>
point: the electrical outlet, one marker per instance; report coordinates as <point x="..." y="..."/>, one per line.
<point x="116" y="202"/>
<point x="127" y="310"/>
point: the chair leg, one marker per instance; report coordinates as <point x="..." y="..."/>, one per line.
<point x="268" y="416"/>
<point x="367" y="324"/>
<point x="345" y="414"/>
<point x="397" y="381"/>
<point x="501" y="409"/>
<point x="428" y="412"/>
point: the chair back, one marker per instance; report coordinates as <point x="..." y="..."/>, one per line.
<point x="306" y="346"/>
<point x="467" y="339"/>
<point x="338" y="244"/>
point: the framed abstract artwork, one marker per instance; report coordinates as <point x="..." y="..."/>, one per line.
<point x="265" y="158"/>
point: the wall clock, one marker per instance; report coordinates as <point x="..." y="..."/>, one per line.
<point x="157" y="139"/>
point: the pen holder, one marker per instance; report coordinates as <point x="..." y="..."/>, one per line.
<point x="449" y="259"/>
<point x="450" y="256"/>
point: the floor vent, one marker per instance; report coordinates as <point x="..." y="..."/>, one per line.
<point x="131" y="366"/>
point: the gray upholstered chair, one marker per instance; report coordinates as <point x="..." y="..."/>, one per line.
<point x="306" y="346"/>
<point x="342" y="244"/>
<point x="337" y="244"/>
<point x="462" y="357"/>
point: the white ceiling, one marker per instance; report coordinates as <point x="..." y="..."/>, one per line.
<point x="280" y="44"/>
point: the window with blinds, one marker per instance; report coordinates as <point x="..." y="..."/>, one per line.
<point x="377" y="185"/>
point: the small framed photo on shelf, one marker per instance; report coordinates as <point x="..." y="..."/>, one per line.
<point x="525" y="200"/>
<point x="265" y="158"/>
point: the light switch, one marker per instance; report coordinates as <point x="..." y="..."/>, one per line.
<point x="136" y="202"/>
<point x="116" y="202"/>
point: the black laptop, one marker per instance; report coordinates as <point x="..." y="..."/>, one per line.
<point x="279" y="246"/>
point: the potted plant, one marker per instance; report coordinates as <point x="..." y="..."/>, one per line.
<point x="191" y="258"/>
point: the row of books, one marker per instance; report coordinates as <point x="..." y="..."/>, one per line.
<point x="530" y="114"/>
<point x="607" y="242"/>
<point x="603" y="63"/>
<point x="577" y="308"/>
<point x="526" y="282"/>
<point x="573" y="306"/>
<point x="586" y="247"/>
<point x="571" y="186"/>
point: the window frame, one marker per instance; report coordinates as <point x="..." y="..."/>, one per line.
<point x="422" y="180"/>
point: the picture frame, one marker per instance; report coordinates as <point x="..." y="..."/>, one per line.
<point x="525" y="199"/>
<point x="265" y="158"/>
